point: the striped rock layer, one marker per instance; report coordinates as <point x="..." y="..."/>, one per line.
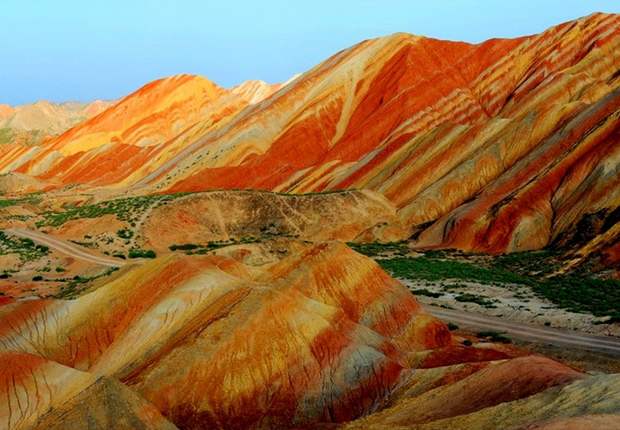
<point x="317" y="337"/>
<point x="501" y="146"/>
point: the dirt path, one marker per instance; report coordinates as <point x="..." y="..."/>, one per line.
<point x="65" y="247"/>
<point x="547" y="335"/>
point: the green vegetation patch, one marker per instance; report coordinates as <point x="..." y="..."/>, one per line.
<point x="600" y="297"/>
<point x="427" y="293"/>
<point x="375" y="249"/>
<point x="576" y="292"/>
<point x="472" y="298"/>
<point x="77" y="284"/>
<point x="431" y="269"/>
<point x="126" y="209"/>
<point x="141" y="253"/>
<point x="540" y="262"/>
<point x="29" y="199"/>
<point x="124" y="233"/>
<point x="25" y="248"/>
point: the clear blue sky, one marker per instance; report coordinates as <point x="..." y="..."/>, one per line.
<point x="81" y="50"/>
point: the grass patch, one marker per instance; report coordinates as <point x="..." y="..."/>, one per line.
<point x="32" y="199"/>
<point x="125" y="209"/>
<point x="600" y="297"/>
<point x="431" y="269"/>
<point x="375" y="249"/>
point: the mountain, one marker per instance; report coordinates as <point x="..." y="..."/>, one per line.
<point x="318" y="336"/>
<point x="196" y="256"/>
<point x="502" y="146"/>
<point x="30" y="123"/>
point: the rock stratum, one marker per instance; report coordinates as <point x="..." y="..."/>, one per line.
<point x="269" y="321"/>
<point x="272" y="335"/>
<point x="501" y="146"/>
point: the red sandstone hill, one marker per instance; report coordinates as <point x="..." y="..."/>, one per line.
<point x="502" y="146"/>
<point x="316" y="335"/>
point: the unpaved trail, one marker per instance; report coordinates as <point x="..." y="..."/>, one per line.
<point x="546" y="335"/>
<point x="66" y="247"/>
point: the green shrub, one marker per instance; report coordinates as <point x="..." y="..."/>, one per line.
<point x="142" y="253"/>
<point x="183" y="247"/>
<point x="37" y="278"/>
<point x="472" y="298"/>
<point x="124" y="233"/>
<point x="425" y="292"/>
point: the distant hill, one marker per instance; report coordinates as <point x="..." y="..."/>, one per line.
<point x="29" y="123"/>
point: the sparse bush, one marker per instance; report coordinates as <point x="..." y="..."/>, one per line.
<point x="494" y="336"/>
<point x="142" y="253"/>
<point x="183" y="247"/>
<point x="124" y="233"/>
<point x="425" y="292"/>
<point x="472" y="298"/>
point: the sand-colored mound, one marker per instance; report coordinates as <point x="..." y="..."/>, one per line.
<point x="236" y="215"/>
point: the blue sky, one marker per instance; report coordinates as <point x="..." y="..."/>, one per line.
<point x="81" y="50"/>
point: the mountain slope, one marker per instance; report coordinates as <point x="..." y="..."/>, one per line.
<point x="501" y="146"/>
<point x="30" y="123"/>
<point x="281" y="334"/>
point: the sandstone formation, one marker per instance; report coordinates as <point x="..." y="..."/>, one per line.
<point x="507" y="145"/>
<point x="501" y="146"/>
<point x="256" y="338"/>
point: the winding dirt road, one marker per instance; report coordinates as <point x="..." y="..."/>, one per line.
<point x="546" y="335"/>
<point x="66" y="247"/>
